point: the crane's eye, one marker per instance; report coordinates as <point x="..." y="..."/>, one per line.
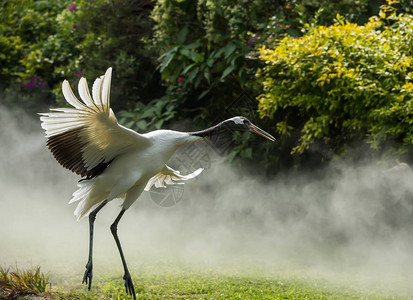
<point x="245" y="122"/>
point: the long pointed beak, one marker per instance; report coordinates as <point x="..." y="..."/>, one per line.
<point x="261" y="132"/>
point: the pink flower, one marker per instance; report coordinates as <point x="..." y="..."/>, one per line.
<point x="180" y="79"/>
<point x="72" y="7"/>
<point x="78" y="73"/>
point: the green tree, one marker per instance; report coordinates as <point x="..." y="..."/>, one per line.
<point x="44" y="42"/>
<point x="208" y="53"/>
<point x="115" y="33"/>
<point x="25" y="25"/>
<point x="341" y="84"/>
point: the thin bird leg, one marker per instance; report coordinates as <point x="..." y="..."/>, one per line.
<point x="89" y="265"/>
<point x="128" y="280"/>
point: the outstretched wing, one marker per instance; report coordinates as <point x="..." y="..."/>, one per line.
<point x="86" y="138"/>
<point x="169" y="176"/>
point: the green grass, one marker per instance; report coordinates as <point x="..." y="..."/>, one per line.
<point x="183" y="282"/>
<point x="214" y="286"/>
<point x="17" y="283"/>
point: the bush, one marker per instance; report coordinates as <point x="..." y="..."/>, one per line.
<point x="44" y="42"/>
<point x="114" y="33"/>
<point x="191" y="59"/>
<point x="207" y="60"/>
<point x="18" y="283"/>
<point x="207" y="48"/>
<point x="341" y="84"/>
<point x="203" y="47"/>
<point x="25" y="26"/>
<point x="209" y="55"/>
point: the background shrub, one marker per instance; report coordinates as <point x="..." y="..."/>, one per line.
<point x="44" y="42"/>
<point x="342" y="84"/>
<point x="322" y="87"/>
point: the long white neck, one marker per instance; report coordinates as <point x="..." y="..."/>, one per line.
<point x="172" y="137"/>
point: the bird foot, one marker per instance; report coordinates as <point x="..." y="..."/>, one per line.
<point x="88" y="275"/>
<point x="129" y="285"/>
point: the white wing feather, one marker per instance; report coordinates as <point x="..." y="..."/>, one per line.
<point x="86" y="138"/>
<point x="84" y="92"/>
<point x="69" y="96"/>
<point x="106" y="89"/>
<point x="96" y="90"/>
<point x="168" y="176"/>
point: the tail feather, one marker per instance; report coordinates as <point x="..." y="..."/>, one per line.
<point x="84" y="207"/>
<point x="84" y="189"/>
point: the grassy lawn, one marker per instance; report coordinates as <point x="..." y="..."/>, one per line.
<point x="186" y="282"/>
<point x="215" y="286"/>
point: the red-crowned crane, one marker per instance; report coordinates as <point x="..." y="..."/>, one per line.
<point x="114" y="161"/>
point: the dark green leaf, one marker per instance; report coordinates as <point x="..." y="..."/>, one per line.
<point x="227" y="71"/>
<point x="207" y="75"/>
<point x="203" y="94"/>
<point x="229" y="49"/>
<point x="192" y="75"/>
<point x="188" y="68"/>
<point x="166" y="60"/>
<point x="182" y="35"/>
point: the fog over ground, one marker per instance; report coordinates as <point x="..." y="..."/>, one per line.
<point x="354" y="221"/>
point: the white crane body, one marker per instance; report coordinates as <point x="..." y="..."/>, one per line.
<point x="117" y="161"/>
<point x="114" y="161"/>
<point x="127" y="176"/>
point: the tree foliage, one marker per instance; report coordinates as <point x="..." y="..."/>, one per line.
<point x="44" y="42"/>
<point x="25" y="26"/>
<point x="342" y="83"/>
<point x="203" y="48"/>
<point x="320" y="85"/>
<point x="207" y="48"/>
<point x="110" y="33"/>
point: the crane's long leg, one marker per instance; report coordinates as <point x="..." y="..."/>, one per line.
<point x="89" y="266"/>
<point x="128" y="279"/>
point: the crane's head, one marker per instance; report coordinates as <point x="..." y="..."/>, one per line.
<point x="243" y="124"/>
